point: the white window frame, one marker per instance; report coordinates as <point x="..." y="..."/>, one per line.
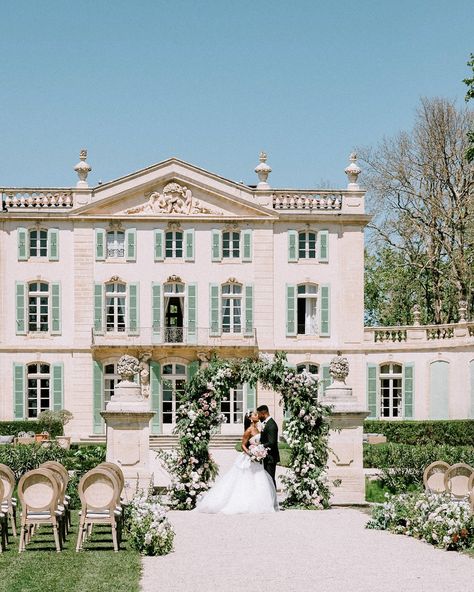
<point x="235" y="316"/>
<point x="311" y="297"/>
<point x="115" y="244"/>
<point x="391" y="376"/>
<point x="308" y="367"/>
<point x="307" y="252"/>
<point x="174" y="251"/>
<point x="233" y="240"/>
<point x="40" y="378"/>
<point x="110" y="380"/>
<point x="39" y="243"/>
<point x="235" y="401"/>
<point x="34" y="303"/>
<point x="172" y="377"/>
<point x="115" y="296"/>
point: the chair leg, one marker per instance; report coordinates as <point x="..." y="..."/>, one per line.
<point x="81" y="534"/>
<point x="114" y="537"/>
<point x="23" y="531"/>
<point x="57" y="538"/>
<point x="13" y="521"/>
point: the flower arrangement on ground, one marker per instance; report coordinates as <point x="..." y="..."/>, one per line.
<point x="148" y="527"/>
<point x="435" y="518"/>
<point x="198" y="418"/>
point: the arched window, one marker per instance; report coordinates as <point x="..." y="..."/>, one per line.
<point x="391" y="380"/>
<point x="174" y="380"/>
<point x="230" y="244"/>
<point x="307" y="309"/>
<point x="308" y="367"/>
<point x="174" y="312"/>
<point x="232" y="405"/>
<point x="38" y="389"/>
<point x="38" y="242"/>
<point x="115" y="307"/>
<point x="307" y="245"/>
<point x="174" y="243"/>
<point x="232" y="308"/>
<point x="38" y="307"/>
<point x="115" y="244"/>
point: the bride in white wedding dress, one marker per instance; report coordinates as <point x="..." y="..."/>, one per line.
<point x="246" y="488"/>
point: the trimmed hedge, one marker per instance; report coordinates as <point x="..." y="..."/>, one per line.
<point x="12" y="428"/>
<point x="453" y="432"/>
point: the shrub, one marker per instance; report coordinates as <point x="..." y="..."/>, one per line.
<point x="453" y="432"/>
<point x="13" y="428"/>
<point x="436" y="519"/>
<point x="402" y="465"/>
<point x="78" y="461"/>
<point x="25" y="457"/>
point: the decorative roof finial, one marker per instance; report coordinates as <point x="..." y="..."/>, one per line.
<point x="82" y="169"/>
<point x="353" y="171"/>
<point x="263" y="170"/>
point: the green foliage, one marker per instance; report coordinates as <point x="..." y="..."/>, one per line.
<point x="199" y="416"/>
<point x="469" y="82"/>
<point x="50" y="418"/>
<point x="453" y="432"/>
<point x="13" y="428"/>
<point x="25" y="457"/>
<point x="402" y="465"/>
<point x="78" y="461"/>
<point x="375" y="491"/>
<point x="436" y="519"/>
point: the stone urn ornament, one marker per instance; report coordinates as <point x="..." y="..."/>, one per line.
<point x="127" y="390"/>
<point x="339" y="369"/>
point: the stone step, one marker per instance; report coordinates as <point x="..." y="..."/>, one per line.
<point x="221" y="441"/>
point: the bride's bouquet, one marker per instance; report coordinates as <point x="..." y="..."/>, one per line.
<point x="257" y="452"/>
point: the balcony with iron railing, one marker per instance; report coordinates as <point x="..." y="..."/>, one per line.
<point x="173" y="337"/>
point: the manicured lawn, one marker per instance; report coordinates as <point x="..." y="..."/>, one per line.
<point x="96" y="569"/>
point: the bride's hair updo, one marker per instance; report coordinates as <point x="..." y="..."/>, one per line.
<point x="247" y="420"/>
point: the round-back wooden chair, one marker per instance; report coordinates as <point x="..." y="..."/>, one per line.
<point x="62" y="475"/>
<point x="433" y="476"/>
<point x="457" y="480"/>
<point x="38" y="491"/>
<point x="7" y="501"/>
<point x="3" y="522"/>
<point x="118" y="471"/>
<point x="99" y="490"/>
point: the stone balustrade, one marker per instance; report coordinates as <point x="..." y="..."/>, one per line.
<point x="419" y="333"/>
<point x="305" y="200"/>
<point x="54" y="198"/>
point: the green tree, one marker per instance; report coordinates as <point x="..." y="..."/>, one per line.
<point x="469" y="96"/>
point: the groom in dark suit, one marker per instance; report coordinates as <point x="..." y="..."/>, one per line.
<point x="269" y="439"/>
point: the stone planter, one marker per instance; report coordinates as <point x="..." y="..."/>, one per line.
<point x="41" y="437"/>
<point x="64" y="442"/>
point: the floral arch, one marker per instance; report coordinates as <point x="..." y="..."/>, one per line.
<point x="191" y="467"/>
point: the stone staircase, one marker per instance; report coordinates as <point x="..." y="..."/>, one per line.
<point x="167" y="442"/>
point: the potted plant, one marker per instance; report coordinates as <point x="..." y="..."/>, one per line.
<point x="49" y="418"/>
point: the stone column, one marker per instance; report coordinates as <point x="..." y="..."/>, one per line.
<point x="127" y="418"/>
<point x="345" y="438"/>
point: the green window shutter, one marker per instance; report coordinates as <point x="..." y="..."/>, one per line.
<point x="248" y="310"/>
<point x="98" y="309"/>
<point x="20" y="296"/>
<point x="216" y="245"/>
<point x="291" y="327"/>
<point x="98" y="397"/>
<point x="292" y="246"/>
<point x="192" y="313"/>
<point x="409" y="390"/>
<point x="133" y="309"/>
<point x="325" y="380"/>
<point x="323" y="246"/>
<point x="189" y="244"/>
<point x="247" y="242"/>
<point x="251" y="396"/>
<point x="22" y="235"/>
<point x="18" y="391"/>
<point x="131" y="244"/>
<point x="100" y="244"/>
<point x="324" y="311"/>
<point x="372" y="390"/>
<point x="57" y="371"/>
<point x="155" y="395"/>
<point x="159" y="242"/>
<point x="439" y="390"/>
<point x="156" y="312"/>
<point x="53" y="244"/>
<point x="214" y="312"/>
<point x="192" y="369"/>
<point x="55" y="308"/>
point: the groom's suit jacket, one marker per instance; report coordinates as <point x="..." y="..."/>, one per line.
<point x="269" y="438"/>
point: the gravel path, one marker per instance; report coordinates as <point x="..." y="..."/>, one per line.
<point x="298" y="551"/>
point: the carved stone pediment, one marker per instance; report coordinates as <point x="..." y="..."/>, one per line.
<point x="175" y="199"/>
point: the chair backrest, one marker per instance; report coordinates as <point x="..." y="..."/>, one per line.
<point x="60" y="469"/>
<point x="7" y="478"/>
<point x="2" y="493"/>
<point x="471" y="499"/>
<point x="117" y="470"/>
<point x="433" y="476"/>
<point x="38" y="491"/>
<point x="58" y="475"/>
<point x="99" y="489"/>
<point x="457" y="480"/>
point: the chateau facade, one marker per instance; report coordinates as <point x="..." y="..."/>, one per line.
<point x="173" y="264"/>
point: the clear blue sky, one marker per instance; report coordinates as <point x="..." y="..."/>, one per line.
<point x="213" y="82"/>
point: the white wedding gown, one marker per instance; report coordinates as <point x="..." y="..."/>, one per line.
<point x="245" y="489"/>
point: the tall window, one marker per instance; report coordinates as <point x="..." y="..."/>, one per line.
<point x="231" y="308"/>
<point x="391" y="390"/>
<point x="38" y="243"/>
<point x="230" y="245"/>
<point x="38" y="389"/>
<point x="309" y="368"/>
<point x="115" y="299"/>
<point x="174" y="312"/>
<point x="232" y="405"/>
<point x="174" y="380"/>
<point x="115" y="244"/>
<point x="111" y="378"/>
<point x="307" y="245"/>
<point x="38" y="306"/>
<point x="174" y="243"/>
<point x="307" y="309"/>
